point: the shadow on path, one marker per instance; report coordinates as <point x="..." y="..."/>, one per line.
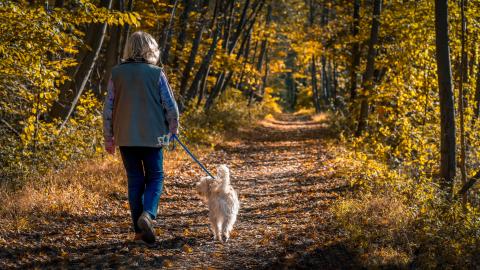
<point x="284" y="221"/>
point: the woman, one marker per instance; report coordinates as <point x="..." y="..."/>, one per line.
<point x="139" y="114"/>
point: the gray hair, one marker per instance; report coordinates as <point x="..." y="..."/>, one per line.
<point x="142" y="45"/>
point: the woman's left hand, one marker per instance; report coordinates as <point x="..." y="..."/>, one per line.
<point x="110" y="147"/>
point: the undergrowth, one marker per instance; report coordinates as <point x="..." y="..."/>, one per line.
<point x="394" y="219"/>
<point x="231" y="113"/>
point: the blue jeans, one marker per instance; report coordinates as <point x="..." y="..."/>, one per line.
<point x="144" y="166"/>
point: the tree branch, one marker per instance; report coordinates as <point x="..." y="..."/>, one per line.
<point x="10" y="127"/>
<point x="470" y="183"/>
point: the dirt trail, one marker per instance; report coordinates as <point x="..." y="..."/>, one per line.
<point x="285" y="191"/>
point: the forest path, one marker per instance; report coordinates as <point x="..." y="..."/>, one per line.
<point x="285" y="189"/>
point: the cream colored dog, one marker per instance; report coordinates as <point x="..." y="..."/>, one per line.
<point x="222" y="202"/>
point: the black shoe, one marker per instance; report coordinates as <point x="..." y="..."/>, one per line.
<point x="145" y="224"/>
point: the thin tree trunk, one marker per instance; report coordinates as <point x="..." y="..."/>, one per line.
<point x="228" y="23"/>
<point x="203" y="86"/>
<point x="265" y="75"/>
<point x="246" y="53"/>
<point x="168" y="35"/>
<point x="263" y="50"/>
<point x="325" y="81"/>
<point x="290" y="80"/>
<point x="355" y="51"/>
<point x="250" y="90"/>
<point x="334" y="83"/>
<point x="313" y="70"/>
<point x="239" y="53"/>
<point x="223" y="80"/>
<point x="463" y="79"/>
<point x="477" y="93"/>
<point x="204" y="67"/>
<point x="240" y="26"/>
<point x="367" y="83"/>
<point x="221" y="77"/>
<point x="447" y="110"/>
<point x="193" y="52"/>
<point x="189" y="66"/>
<point x="187" y="8"/>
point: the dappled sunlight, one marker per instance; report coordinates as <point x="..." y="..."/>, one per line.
<point x="284" y="193"/>
<point x="350" y="129"/>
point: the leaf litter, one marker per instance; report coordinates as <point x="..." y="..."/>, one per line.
<point x="283" y="171"/>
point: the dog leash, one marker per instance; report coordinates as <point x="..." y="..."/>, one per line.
<point x="191" y="155"/>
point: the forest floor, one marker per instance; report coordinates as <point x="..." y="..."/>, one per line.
<point x="283" y="170"/>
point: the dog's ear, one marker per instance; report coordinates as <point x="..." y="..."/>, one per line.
<point x="223" y="172"/>
<point x="202" y="188"/>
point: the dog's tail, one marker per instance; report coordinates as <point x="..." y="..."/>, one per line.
<point x="224" y="174"/>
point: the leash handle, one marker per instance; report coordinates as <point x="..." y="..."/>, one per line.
<point x="191" y="155"/>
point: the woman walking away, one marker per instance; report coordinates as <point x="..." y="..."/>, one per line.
<point x="140" y="114"/>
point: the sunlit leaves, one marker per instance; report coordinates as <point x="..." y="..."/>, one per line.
<point x="36" y="48"/>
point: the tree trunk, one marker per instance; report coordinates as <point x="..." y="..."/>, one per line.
<point x="72" y="90"/>
<point x="367" y="83"/>
<point x="223" y="80"/>
<point x="168" y="35"/>
<point x="265" y="75"/>
<point x="264" y="51"/>
<point x="239" y="53"/>
<point x="355" y="51"/>
<point x="313" y="70"/>
<point x="246" y="53"/>
<point x="334" y="83"/>
<point x="112" y="56"/>
<point x="325" y="81"/>
<point x="477" y="93"/>
<point x="290" y="80"/>
<point x="463" y="79"/>
<point x="240" y="26"/>
<point x="221" y="77"/>
<point x="193" y="52"/>
<point x="447" y="110"/>
<point x="204" y="68"/>
<point x="187" y="7"/>
<point x="228" y="22"/>
<point x="203" y="85"/>
<point x="126" y="29"/>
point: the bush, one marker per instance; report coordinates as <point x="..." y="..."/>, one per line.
<point x="393" y="220"/>
<point x="42" y="146"/>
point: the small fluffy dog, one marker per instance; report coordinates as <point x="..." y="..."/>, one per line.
<point x="222" y="202"/>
